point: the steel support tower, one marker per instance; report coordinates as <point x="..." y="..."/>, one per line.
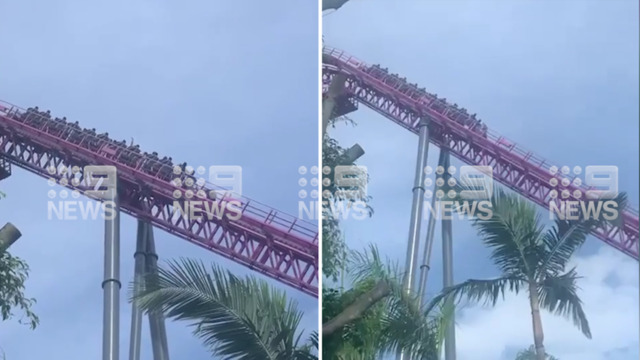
<point x="413" y="245"/>
<point x="447" y="265"/>
<point x="111" y="285"/>
<point x="145" y="265"/>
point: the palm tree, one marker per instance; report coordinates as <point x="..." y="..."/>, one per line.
<point x="235" y="318"/>
<point x="376" y="317"/>
<point x="531" y="259"/>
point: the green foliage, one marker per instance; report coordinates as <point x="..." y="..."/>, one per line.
<point x="235" y="317"/>
<point x="333" y="248"/>
<point x="396" y="322"/>
<point x="530" y="354"/>
<point x="359" y="337"/>
<point x="14" y="272"/>
<point x="333" y="245"/>
<point x="393" y="323"/>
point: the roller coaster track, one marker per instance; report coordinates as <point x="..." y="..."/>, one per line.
<point x="278" y="245"/>
<point x="518" y="169"/>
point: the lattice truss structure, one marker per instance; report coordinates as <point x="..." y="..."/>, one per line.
<point x="278" y="245"/>
<point x="468" y="140"/>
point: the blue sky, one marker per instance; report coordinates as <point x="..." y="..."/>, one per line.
<point x="560" y="78"/>
<point x="208" y="84"/>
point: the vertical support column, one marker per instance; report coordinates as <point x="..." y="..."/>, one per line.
<point x="416" y="213"/>
<point x="111" y="284"/>
<point x="426" y="256"/>
<point x="139" y="273"/>
<point x="447" y="263"/>
<point x="156" y="319"/>
<point x="416" y="207"/>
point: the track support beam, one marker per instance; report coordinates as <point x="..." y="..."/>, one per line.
<point x="428" y="246"/>
<point x="145" y="264"/>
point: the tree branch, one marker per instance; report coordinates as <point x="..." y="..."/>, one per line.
<point x="357" y="308"/>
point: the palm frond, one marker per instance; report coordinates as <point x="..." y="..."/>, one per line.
<point x="407" y="328"/>
<point x="567" y="236"/>
<point x="561" y="242"/>
<point x="512" y="233"/>
<point x="559" y="295"/>
<point x="621" y="200"/>
<point x="235" y="318"/>
<point x="527" y="354"/>
<point x="481" y="291"/>
<point x="313" y="339"/>
<point x="368" y="266"/>
<point x="530" y="354"/>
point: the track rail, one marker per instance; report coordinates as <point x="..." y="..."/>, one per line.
<point x="263" y="239"/>
<point x="521" y="170"/>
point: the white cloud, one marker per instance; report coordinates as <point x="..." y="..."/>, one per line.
<point x="610" y="296"/>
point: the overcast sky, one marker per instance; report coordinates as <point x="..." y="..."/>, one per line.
<point x="209" y="83"/>
<point x="557" y="77"/>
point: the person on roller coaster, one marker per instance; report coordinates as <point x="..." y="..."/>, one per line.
<point x="480" y="128"/>
<point x="166" y="168"/>
<point x="73" y="133"/>
<point x="30" y="114"/>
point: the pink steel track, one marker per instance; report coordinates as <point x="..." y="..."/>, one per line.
<point x="276" y="244"/>
<point x="520" y="170"/>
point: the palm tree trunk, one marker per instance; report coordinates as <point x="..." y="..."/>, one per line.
<point x="357" y="308"/>
<point x="538" y="335"/>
